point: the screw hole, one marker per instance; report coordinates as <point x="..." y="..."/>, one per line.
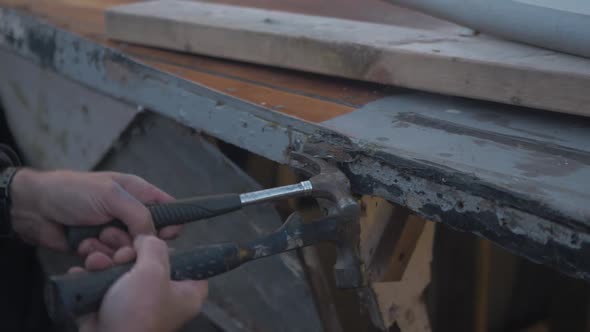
<point x="460" y="205"/>
<point x="78" y="298"/>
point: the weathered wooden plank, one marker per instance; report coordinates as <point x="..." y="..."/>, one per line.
<point x="396" y="251"/>
<point x="439" y="61"/>
<point x="389" y="234"/>
<point x="402" y="300"/>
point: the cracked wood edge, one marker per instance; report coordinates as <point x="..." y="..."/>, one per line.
<point x="396" y="250"/>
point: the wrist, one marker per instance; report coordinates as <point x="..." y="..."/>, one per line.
<point x="24" y="193"/>
<point x="6" y="176"/>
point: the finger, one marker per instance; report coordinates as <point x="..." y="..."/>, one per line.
<point x="91" y="245"/>
<point x="169" y="232"/>
<point x="47" y="234"/>
<point x="120" y="204"/>
<point x="76" y="269"/>
<point x="151" y="251"/>
<point x="124" y="255"/>
<point x="191" y="293"/>
<point x="98" y="261"/>
<point x="144" y="191"/>
<point x="115" y="238"/>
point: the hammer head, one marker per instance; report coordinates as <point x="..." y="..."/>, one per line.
<point x="331" y="185"/>
<point x="328" y="182"/>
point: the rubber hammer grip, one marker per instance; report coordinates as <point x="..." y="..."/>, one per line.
<point x="71" y="295"/>
<point x="165" y="214"/>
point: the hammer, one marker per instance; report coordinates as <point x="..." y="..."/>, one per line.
<point x="72" y="295"/>
<point x="197" y="208"/>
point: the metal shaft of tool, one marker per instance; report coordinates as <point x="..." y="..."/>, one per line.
<point x="299" y="189"/>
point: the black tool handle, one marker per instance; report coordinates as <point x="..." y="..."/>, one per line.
<point x="71" y="295"/>
<point x="165" y="214"/>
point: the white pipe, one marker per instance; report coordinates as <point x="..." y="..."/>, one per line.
<point x="561" y="25"/>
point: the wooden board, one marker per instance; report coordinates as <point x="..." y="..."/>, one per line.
<point x="449" y="61"/>
<point x="396" y="252"/>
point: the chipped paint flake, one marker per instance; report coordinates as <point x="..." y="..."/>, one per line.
<point x="11" y="27"/>
<point x="294" y="241"/>
<point x="261" y="251"/>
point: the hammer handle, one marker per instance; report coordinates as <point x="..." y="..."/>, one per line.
<point x="165" y="214"/>
<point x="71" y="295"/>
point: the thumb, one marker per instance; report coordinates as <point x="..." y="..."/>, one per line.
<point x="151" y="253"/>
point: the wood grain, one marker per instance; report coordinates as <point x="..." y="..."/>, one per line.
<point x="396" y="250"/>
<point x="307" y="108"/>
<point x="443" y="61"/>
<point x="403" y="302"/>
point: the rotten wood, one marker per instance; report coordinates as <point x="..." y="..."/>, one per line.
<point x="449" y="62"/>
<point x="396" y="249"/>
<point x="388" y="237"/>
<point x="403" y="302"/>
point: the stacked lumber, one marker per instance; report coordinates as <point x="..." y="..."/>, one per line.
<point x="448" y="61"/>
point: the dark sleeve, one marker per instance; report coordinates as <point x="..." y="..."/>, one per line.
<point x="8" y="157"/>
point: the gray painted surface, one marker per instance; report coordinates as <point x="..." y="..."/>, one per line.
<point x="562" y="25"/>
<point x="432" y="186"/>
<point x="546" y="157"/>
<point x="58" y="123"/>
<point x="111" y="73"/>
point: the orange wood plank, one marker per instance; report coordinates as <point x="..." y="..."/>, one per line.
<point x="310" y="109"/>
<point x="339" y="90"/>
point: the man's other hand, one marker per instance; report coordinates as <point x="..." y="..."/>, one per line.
<point x="144" y="299"/>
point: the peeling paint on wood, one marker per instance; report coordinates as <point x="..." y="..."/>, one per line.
<point x="57" y="123"/>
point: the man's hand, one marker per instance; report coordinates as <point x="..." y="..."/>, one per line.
<point x="144" y="299"/>
<point x="42" y="202"/>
